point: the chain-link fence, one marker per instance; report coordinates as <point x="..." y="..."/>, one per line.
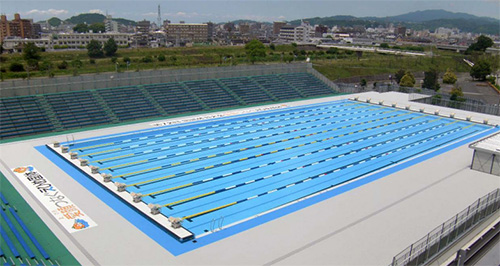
<point x="428" y="247"/>
<point x="465" y="104"/>
<point x="12" y="88"/>
<point x="425" y="96"/>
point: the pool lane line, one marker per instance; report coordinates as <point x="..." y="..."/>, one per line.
<point x="300" y="109"/>
<point x="213" y="126"/>
<point x="156" y="193"/>
<point x="213" y="139"/>
<point x="162" y="157"/>
<point x="205" y="133"/>
<point x="189" y="217"/>
<point x="262" y="154"/>
<point x="297" y="137"/>
<point x="289" y="170"/>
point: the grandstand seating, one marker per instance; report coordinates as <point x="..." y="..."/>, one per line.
<point x="307" y="84"/>
<point x="22" y="116"/>
<point x="16" y="240"/>
<point x="77" y="109"/>
<point x="246" y="89"/>
<point x="211" y="93"/>
<point x="173" y="98"/>
<point x="28" y="115"/>
<point x="277" y="87"/>
<point x="128" y="103"/>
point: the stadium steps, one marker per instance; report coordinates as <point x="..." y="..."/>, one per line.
<point x="272" y="96"/>
<point x="298" y="90"/>
<point x="50" y="113"/>
<point x="105" y="106"/>
<point x="231" y="92"/>
<point x="192" y="94"/>
<point x="153" y="101"/>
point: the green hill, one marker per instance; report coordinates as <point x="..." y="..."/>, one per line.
<point x="54" y="22"/>
<point x="88" y="18"/>
<point x="427" y="19"/>
<point x="124" y="21"/>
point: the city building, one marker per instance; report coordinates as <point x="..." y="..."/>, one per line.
<point x="277" y="25"/>
<point x="319" y="30"/>
<point x="244" y="29"/>
<point x="187" y="32"/>
<point x="110" y="24"/>
<point x="17" y="27"/>
<point x="141" y="37"/>
<point x="66" y="40"/>
<point x="298" y="34"/>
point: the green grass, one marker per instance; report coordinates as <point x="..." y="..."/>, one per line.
<point x="374" y="64"/>
<point x="175" y="58"/>
<point x="56" y="250"/>
<point x="340" y="65"/>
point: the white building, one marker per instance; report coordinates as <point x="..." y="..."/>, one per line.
<point x="68" y="40"/>
<point x="297" y="34"/>
<point x="110" y="24"/>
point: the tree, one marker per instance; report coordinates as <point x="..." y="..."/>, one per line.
<point x="161" y="58"/>
<point x="81" y="28"/>
<point x="255" y="49"/>
<point x="480" y="45"/>
<point x="97" y="27"/>
<point x="449" y="77"/>
<point x="31" y="52"/>
<point x="94" y="49"/>
<point x="332" y="50"/>
<point x="399" y="75"/>
<point x="480" y="70"/>
<point x="431" y="80"/>
<point x="407" y="80"/>
<point x="272" y="46"/>
<point x="384" y="45"/>
<point x="110" y="47"/>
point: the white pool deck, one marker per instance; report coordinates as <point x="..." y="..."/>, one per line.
<point x="364" y="226"/>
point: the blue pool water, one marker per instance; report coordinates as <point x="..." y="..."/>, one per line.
<point x="232" y="169"/>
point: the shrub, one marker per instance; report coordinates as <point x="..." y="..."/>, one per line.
<point x="62" y="65"/>
<point x="126" y="59"/>
<point x="16" y="67"/>
<point x="114" y="59"/>
<point x="147" y="59"/>
<point x="449" y="77"/>
<point x="161" y="58"/>
<point x="92" y="61"/>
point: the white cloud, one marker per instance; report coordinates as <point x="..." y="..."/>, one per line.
<point x="150" y="14"/>
<point x="98" y="11"/>
<point x="181" y="14"/>
<point x="47" y="12"/>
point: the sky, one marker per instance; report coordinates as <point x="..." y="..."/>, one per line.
<point x="221" y="11"/>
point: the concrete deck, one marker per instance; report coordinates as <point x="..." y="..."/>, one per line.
<point x="365" y="226"/>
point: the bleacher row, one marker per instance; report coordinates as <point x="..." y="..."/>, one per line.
<point x="28" y="115"/>
<point x="22" y="246"/>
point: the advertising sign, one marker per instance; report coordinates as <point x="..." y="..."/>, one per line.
<point x="72" y="218"/>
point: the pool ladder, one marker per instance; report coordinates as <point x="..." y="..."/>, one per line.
<point x="219" y="221"/>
